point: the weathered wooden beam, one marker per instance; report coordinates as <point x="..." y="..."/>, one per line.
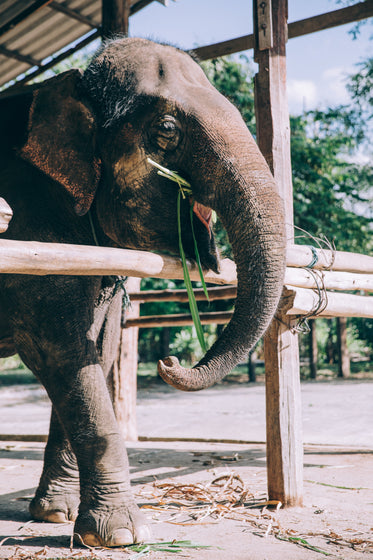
<point x="224" y="48"/>
<point x="181" y="296"/>
<point x="320" y="259"/>
<point x="297" y="277"/>
<point x="32" y="257"/>
<point x="137" y="5"/>
<point x="19" y="56"/>
<point x="333" y="304"/>
<point x="6" y="214"/>
<point x="283" y="410"/>
<point x="18" y="12"/>
<point x="357" y="12"/>
<point x="43" y="67"/>
<point x="124" y="373"/>
<point x="330" y="280"/>
<point x="155" y="321"/>
<point x="72" y="14"/>
<point x="115" y="17"/>
<point x="302" y="302"/>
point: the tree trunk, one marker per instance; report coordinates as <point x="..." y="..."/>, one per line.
<point x="251" y="366"/>
<point x="330" y="344"/>
<point x="343" y="355"/>
<point x="313" y="350"/>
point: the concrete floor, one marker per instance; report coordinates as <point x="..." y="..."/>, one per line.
<point x="334" y="412"/>
<point x="337" y="517"/>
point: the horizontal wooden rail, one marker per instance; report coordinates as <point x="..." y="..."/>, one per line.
<point x="6" y="214"/>
<point x="330" y="280"/>
<point x="304" y="302"/>
<point x="181" y="296"/>
<point x="320" y="259"/>
<point x="297" y="277"/>
<point x="178" y="320"/>
<point x="336" y="304"/>
<point x="32" y="257"/>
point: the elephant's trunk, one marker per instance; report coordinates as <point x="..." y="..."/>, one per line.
<point x="251" y="211"/>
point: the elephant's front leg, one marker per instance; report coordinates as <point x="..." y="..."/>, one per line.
<point x="108" y="514"/>
<point x="57" y="497"/>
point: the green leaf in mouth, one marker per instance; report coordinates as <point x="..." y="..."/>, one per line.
<point x="186" y="190"/>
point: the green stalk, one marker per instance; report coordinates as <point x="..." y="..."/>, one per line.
<point x="185" y="190"/>
<point x="188" y="284"/>
<point x="197" y="257"/>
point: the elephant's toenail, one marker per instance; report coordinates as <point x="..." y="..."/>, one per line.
<point x="120" y="537"/>
<point x="143" y="533"/>
<point x="88" y="539"/>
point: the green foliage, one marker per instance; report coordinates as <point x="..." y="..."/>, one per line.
<point x="234" y="80"/>
<point x="331" y="190"/>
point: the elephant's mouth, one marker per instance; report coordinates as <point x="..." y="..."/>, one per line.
<point x="204" y="214"/>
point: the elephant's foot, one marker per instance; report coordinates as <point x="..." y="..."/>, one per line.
<point x="55" y="508"/>
<point x="114" y="520"/>
<point x="57" y="497"/>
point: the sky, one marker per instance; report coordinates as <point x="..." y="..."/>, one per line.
<point x="317" y="64"/>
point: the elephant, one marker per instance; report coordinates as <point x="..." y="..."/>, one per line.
<point x="75" y="169"/>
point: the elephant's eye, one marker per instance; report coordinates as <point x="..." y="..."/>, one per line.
<point x="166" y="132"/>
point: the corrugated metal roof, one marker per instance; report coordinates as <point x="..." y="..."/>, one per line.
<point x="33" y="30"/>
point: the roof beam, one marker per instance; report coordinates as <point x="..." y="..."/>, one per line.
<point x="12" y="18"/>
<point x="343" y="16"/>
<point x="20" y="57"/>
<point x="72" y="14"/>
<point x="139" y="5"/>
<point x="54" y="61"/>
<point x="357" y="12"/>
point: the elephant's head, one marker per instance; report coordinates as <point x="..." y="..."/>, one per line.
<point x="94" y="133"/>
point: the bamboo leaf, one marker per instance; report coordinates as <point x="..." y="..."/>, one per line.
<point x="188" y="284"/>
<point x="185" y="189"/>
<point x="197" y="256"/>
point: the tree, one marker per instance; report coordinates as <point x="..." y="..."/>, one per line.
<point x="331" y="189"/>
<point x="332" y="182"/>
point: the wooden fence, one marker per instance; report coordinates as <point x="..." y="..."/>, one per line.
<point x="324" y="288"/>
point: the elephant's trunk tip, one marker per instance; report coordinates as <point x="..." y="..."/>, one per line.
<point x="177" y="376"/>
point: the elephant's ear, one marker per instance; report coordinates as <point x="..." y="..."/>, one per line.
<point x="61" y="138"/>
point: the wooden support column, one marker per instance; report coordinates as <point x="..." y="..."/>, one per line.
<point x="283" y="409"/>
<point x="122" y="381"/>
<point x="6" y="214"/>
<point x="124" y="374"/>
<point x="115" y="17"/>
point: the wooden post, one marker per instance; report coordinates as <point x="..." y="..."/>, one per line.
<point x="313" y="349"/>
<point x="124" y="374"/>
<point x="115" y="17"/>
<point x="6" y="214"/>
<point x="283" y="411"/>
<point x="343" y="355"/>
<point x="123" y="377"/>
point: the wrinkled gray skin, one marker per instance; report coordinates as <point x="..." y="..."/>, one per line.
<point x="78" y="143"/>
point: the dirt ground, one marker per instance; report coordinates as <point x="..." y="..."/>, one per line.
<point x="336" y="520"/>
<point x="174" y="480"/>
